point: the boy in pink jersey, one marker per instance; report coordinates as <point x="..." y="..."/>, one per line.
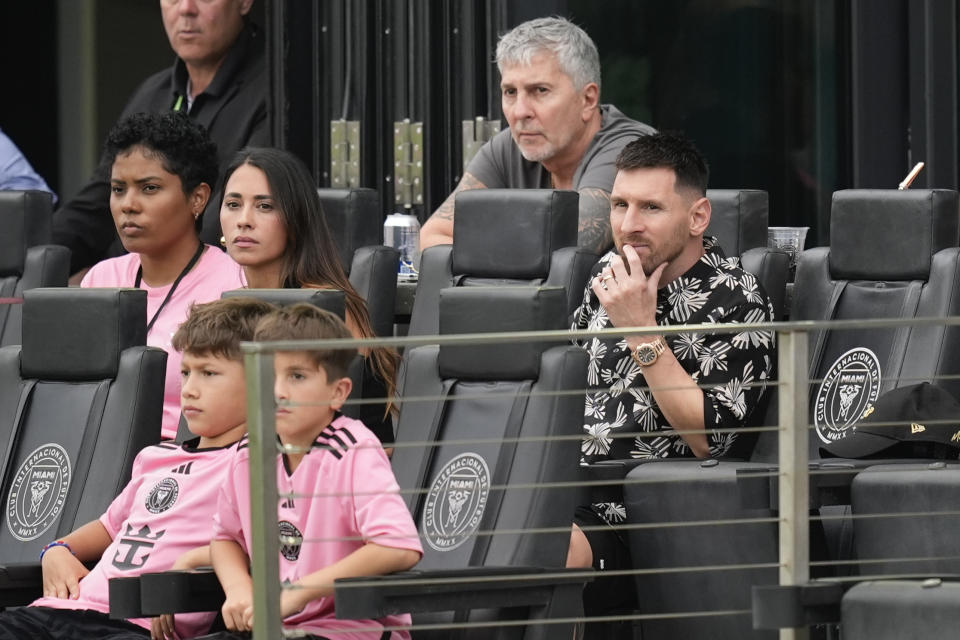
<point x="347" y="509"/>
<point x="162" y="519"/>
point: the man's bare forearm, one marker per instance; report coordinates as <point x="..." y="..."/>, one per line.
<point x="594" y="228"/>
<point x="438" y="229"/>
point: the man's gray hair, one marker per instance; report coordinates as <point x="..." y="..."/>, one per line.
<point x="575" y="51"/>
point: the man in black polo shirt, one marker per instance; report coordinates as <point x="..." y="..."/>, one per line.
<point x="218" y="78"/>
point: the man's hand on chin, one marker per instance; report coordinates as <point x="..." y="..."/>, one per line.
<point x="629" y="296"/>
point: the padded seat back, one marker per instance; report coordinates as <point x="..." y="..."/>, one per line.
<point x="78" y="400"/>
<point x="330" y="300"/>
<point x="904" y="492"/>
<point x="505" y="237"/>
<point x="26" y="260"/>
<point x="896" y="609"/>
<point x="739" y="223"/>
<point x="739" y="219"/>
<point x="494" y="395"/>
<point x="892" y="254"/>
<point x="356" y="226"/>
<point x="667" y="503"/>
<point x="354" y="219"/>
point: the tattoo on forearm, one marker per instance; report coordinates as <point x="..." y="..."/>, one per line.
<point x="594" y="228"/>
<point x="445" y="210"/>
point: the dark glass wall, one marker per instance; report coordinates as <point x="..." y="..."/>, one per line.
<point x="757" y="85"/>
<point x="796" y="97"/>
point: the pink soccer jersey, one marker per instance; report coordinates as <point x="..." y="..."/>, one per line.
<point x="164" y="511"/>
<point x="356" y="500"/>
<point x="215" y="273"/>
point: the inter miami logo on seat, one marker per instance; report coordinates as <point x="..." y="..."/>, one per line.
<point x="851" y="385"/>
<point x="290" y="540"/>
<point x="455" y="502"/>
<point x="38" y="492"/>
<point x="162" y="496"/>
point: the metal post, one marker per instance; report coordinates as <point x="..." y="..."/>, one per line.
<point x="264" y="556"/>
<point x="794" y="472"/>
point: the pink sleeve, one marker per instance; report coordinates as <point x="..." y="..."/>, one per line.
<point x="381" y="515"/>
<point x="226" y="520"/>
<point x="121" y="507"/>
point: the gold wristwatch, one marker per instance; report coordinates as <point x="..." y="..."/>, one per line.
<point x="645" y="354"/>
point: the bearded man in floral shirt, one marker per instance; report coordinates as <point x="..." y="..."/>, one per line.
<point x="657" y="396"/>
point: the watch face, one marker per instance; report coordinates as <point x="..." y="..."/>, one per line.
<point x="646" y="354"/>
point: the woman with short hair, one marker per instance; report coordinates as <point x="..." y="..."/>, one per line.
<point x="163" y="168"/>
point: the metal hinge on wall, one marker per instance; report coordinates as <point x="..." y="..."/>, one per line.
<point x="475" y="133"/>
<point x="408" y="162"/>
<point x="344" y="154"/>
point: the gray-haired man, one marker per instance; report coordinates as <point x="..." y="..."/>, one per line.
<point x="560" y="136"/>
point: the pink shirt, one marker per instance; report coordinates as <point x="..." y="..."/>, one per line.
<point x="356" y="501"/>
<point x="213" y="274"/>
<point x="163" y="512"/>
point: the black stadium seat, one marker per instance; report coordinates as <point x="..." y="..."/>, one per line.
<point x="26" y="260"/>
<point x="739" y="220"/>
<point x="505" y="236"/>
<point x="903" y="491"/>
<point x="506" y="396"/>
<point x="739" y="223"/>
<point x="356" y="224"/>
<point x="851" y="279"/>
<point x="896" y="609"/>
<point x="78" y="401"/>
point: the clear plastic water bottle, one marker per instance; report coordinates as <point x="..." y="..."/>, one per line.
<point x="402" y="232"/>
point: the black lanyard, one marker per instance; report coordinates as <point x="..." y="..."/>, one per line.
<point x="173" y="288"/>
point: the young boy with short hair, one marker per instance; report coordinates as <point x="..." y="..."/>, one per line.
<point x="346" y="506"/>
<point x="161" y="520"/>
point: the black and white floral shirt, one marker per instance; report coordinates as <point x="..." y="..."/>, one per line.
<point x="726" y="365"/>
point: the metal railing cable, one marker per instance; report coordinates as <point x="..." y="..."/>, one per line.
<point x="791" y="514"/>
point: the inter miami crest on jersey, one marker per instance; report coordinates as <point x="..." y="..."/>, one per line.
<point x="163" y="496"/>
<point x="290" y="540"/>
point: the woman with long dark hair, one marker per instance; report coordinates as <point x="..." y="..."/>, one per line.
<point x="273" y="225"/>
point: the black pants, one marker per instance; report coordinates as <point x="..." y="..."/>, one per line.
<point x="606" y="594"/>
<point x="44" y="623"/>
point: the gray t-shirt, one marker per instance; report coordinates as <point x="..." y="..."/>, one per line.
<point x="499" y="164"/>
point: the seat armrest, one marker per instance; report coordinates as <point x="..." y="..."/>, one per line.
<point x="124" y="594"/>
<point x="180" y="592"/>
<point x="814" y="602"/>
<point x="472" y="588"/>
<point x="830" y="480"/>
<point x="22" y="582"/>
<point x="793" y="606"/>
<point x="607" y="477"/>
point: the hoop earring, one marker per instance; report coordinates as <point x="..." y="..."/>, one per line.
<point x="223" y="241"/>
